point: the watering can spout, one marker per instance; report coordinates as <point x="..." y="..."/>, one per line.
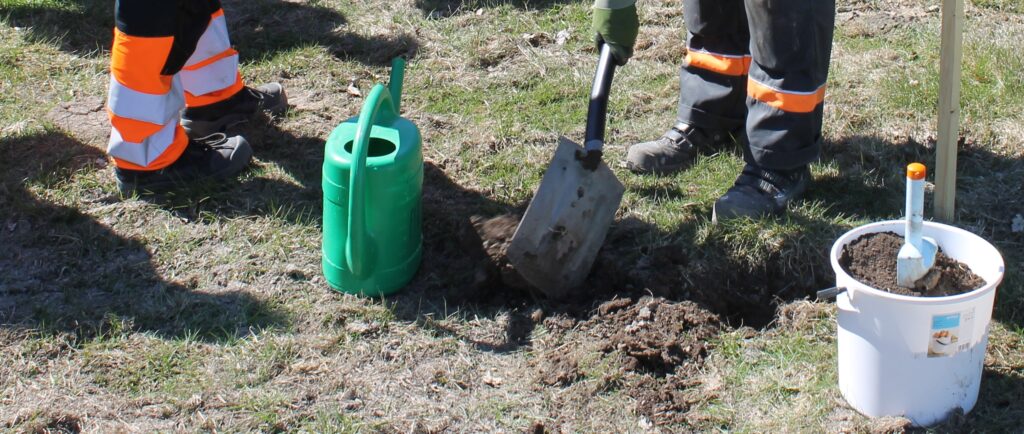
<point x="381" y="108"/>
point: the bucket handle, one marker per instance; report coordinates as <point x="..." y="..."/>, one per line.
<point x="381" y="107"/>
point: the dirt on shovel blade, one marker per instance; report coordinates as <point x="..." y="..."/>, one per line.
<point x="871" y="259"/>
<point x="496" y="234"/>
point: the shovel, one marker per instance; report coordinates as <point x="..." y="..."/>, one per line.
<point x="558" y="238"/>
<point x="917" y="256"/>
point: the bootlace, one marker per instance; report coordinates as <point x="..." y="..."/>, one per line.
<point x="212" y="142"/>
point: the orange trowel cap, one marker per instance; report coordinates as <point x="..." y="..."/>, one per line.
<point x="916" y="171"/>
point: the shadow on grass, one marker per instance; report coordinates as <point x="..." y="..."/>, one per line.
<point x="998" y="408"/>
<point x="296" y="200"/>
<point x="258" y="28"/>
<point x="63" y="271"/>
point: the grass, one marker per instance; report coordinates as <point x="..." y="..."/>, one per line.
<point x="206" y="310"/>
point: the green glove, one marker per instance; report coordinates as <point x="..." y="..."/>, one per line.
<point x="616" y="23"/>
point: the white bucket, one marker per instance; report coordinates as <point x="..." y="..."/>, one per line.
<point x="894" y="359"/>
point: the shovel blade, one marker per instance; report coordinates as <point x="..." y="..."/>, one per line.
<point x="558" y="238"/>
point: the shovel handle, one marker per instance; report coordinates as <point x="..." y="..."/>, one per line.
<point x="597" y="113"/>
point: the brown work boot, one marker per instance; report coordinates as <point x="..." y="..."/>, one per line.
<point x="241" y="107"/>
<point x="676" y="150"/>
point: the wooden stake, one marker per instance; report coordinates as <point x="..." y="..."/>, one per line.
<point x="949" y="108"/>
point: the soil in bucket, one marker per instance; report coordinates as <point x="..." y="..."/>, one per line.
<point x="872" y="259"/>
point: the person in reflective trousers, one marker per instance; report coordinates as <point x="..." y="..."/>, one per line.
<point x="755" y="71"/>
<point x="174" y="89"/>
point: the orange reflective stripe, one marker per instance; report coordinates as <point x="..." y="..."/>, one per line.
<point x="786" y="101"/>
<point x="728" y="65"/>
<point x="133" y="130"/>
<point x="169" y="156"/>
<point x="212" y="97"/>
<point x="137" y="62"/>
<point x="219" y="13"/>
<point x="226" y="53"/>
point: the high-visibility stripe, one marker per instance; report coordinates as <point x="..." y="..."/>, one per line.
<point x="155" y="152"/>
<point x="132" y="130"/>
<point x="216" y="96"/>
<point x="786" y="100"/>
<point x="214" y="40"/>
<point x="215" y="76"/>
<point x="227" y="53"/>
<point x="736" y="66"/>
<point x="137" y="62"/>
<point x="154" y="109"/>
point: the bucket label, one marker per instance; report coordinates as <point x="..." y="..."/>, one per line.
<point x="950" y="333"/>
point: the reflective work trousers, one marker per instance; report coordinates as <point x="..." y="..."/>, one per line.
<point x="761" y="65"/>
<point x="167" y="54"/>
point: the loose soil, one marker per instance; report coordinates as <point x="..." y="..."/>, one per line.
<point x="871" y="259"/>
<point x="495" y="234"/>
<point x="655" y="334"/>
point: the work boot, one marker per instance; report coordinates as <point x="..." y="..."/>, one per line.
<point x="759" y="191"/>
<point x="675" y="150"/>
<point x="241" y="107"/>
<point x="214" y="157"/>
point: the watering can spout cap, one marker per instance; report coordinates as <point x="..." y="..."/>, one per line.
<point x="916" y="171"/>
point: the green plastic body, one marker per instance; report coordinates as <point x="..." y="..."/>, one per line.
<point x="373" y="185"/>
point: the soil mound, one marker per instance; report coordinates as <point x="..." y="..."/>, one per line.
<point x="657" y="335"/>
<point x="872" y="259"/>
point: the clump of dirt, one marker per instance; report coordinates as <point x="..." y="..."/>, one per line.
<point x="655" y="334"/>
<point x="667" y="401"/>
<point x="559" y="368"/>
<point x="495" y="235"/>
<point x="872" y="259"/>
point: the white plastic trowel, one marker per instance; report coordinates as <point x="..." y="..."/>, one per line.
<point x="917" y="256"/>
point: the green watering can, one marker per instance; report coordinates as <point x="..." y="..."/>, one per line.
<point x="373" y="184"/>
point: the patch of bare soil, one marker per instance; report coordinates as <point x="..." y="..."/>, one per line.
<point x="664" y="343"/>
<point x="86" y="119"/>
<point x="656" y="335"/>
<point x="872" y="259"/>
<point x="747" y="298"/>
<point x="668" y="400"/>
<point x="559" y="368"/>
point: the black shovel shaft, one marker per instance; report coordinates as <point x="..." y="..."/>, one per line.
<point x="597" y="113"/>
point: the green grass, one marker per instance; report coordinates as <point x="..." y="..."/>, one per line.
<point x="1014" y="6"/>
<point x="148" y="368"/>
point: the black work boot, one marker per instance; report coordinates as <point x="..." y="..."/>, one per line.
<point x="241" y="107"/>
<point x="676" y="150"/>
<point x="214" y="157"/>
<point x="759" y="191"/>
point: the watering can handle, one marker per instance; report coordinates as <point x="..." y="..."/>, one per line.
<point x="381" y="107"/>
<point x="597" y="112"/>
